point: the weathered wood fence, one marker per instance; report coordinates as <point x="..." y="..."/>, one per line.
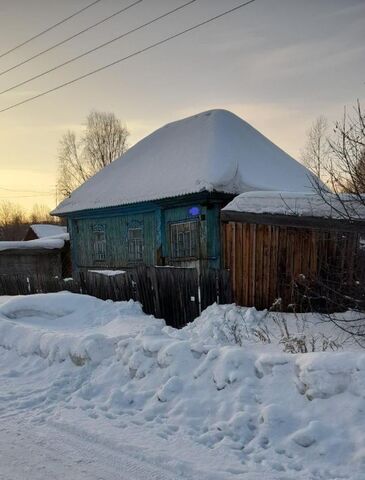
<point x="174" y="294"/>
<point x="305" y="269"/>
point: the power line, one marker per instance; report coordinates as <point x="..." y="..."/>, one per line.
<point x="98" y="47"/>
<point x="134" y="54"/>
<point x="26" y="196"/>
<point x="77" y="34"/>
<point x="50" y="28"/>
<point x="24" y="190"/>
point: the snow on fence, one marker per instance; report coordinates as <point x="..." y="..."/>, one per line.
<point x="175" y="294"/>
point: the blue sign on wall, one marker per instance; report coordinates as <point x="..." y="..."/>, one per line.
<point x="194" y="211"/>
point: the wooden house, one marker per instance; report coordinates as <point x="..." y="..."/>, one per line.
<point x="160" y="203"/>
<point x="284" y="247"/>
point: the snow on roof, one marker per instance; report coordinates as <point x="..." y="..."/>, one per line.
<point x="45" y="230"/>
<point x="214" y="150"/>
<point x="298" y="203"/>
<point x="49" y="243"/>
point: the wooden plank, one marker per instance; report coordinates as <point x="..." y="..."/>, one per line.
<point x="274" y="264"/>
<point x="258" y="267"/>
<point x="253" y="265"/>
<point x="233" y="261"/>
<point x="267" y="265"/>
<point x="246" y="264"/>
<point x="238" y="263"/>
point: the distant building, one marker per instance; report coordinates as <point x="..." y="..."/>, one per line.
<point x="44" y="230"/>
<point x="160" y="203"/>
<point x="49" y="256"/>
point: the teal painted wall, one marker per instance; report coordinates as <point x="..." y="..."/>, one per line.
<point x="116" y="233"/>
<point x="154" y="218"/>
<point x="214" y="235"/>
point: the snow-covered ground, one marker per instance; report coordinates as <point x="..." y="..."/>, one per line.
<point x="99" y="390"/>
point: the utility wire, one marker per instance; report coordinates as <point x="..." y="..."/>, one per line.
<point x="24" y="190"/>
<point x="77" y="34"/>
<point x="27" y="196"/>
<point x="50" y="28"/>
<point x="98" y="47"/>
<point x="134" y="54"/>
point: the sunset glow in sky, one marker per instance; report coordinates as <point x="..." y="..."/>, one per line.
<point x="278" y="64"/>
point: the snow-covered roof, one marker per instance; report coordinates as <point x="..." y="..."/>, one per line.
<point x="213" y="151"/>
<point x="49" y="243"/>
<point x="45" y="230"/>
<point x="303" y="204"/>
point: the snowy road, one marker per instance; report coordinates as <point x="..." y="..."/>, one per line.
<point x="33" y="452"/>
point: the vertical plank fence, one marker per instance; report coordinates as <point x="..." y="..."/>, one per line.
<point x="294" y="268"/>
<point x="175" y="294"/>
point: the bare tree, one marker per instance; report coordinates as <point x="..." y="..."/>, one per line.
<point x="13" y="222"/>
<point x="344" y="171"/>
<point x="103" y="141"/>
<point x="315" y="154"/>
<point x="40" y="214"/>
<point x="357" y="183"/>
<point x="345" y="167"/>
<point x="347" y="172"/>
<point x="73" y="170"/>
<point x="6" y="213"/>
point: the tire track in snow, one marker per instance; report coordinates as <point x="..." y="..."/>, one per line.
<point x="40" y="453"/>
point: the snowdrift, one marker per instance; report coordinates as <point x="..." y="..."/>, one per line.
<point x="63" y="325"/>
<point x="298" y="413"/>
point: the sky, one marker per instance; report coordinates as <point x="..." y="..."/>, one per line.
<point x="278" y="64"/>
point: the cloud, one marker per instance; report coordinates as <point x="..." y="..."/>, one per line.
<point x="308" y="58"/>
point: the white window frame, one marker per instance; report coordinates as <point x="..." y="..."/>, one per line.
<point x="135" y="244"/>
<point x="99" y="242"/>
<point x="182" y="241"/>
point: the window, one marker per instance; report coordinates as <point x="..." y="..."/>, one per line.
<point x="99" y="242"/>
<point x="135" y="244"/>
<point x="184" y="240"/>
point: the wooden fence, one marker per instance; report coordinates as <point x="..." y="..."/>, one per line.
<point x="175" y="294"/>
<point x="307" y="269"/>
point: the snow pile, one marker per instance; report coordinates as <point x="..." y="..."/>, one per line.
<point x="47" y="230"/>
<point x="293" y="333"/>
<point x="214" y="150"/>
<point x="302" y="414"/>
<point x="63" y="325"/>
<point x="306" y="204"/>
<point x="226" y="325"/>
<point x="284" y="411"/>
<point x="49" y="243"/>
